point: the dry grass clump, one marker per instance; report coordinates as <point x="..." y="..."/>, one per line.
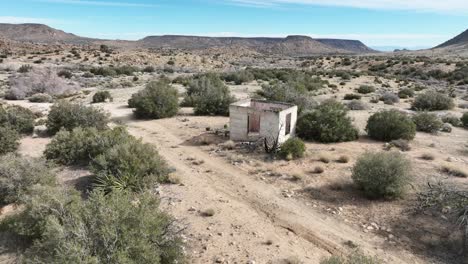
<point x="324" y="159"/>
<point x="427" y="156"/>
<point x="343" y="159"/>
<point x="454" y="171"/>
<point x="208" y="212"/>
<point x="318" y="170"/>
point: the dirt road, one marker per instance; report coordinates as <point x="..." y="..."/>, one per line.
<point x="253" y="221"/>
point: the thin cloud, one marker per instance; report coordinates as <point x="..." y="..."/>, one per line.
<point x="457" y="6"/>
<point x="21" y="20"/>
<point x="97" y="3"/>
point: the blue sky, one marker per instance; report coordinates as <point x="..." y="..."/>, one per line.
<point x="407" y="23"/>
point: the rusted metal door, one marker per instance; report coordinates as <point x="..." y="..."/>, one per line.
<point x="254" y="123"/>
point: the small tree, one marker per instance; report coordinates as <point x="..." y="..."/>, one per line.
<point x="157" y="100"/>
<point x="69" y="116"/>
<point x="390" y="125"/>
<point x="328" y="123"/>
<point x="382" y="175"/>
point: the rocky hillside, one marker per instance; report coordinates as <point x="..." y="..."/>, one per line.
<point x="290" y="46"/>
<point x="38" y="33"/>
<point x="459" y="40"/>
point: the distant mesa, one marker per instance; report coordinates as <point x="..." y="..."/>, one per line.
<point x="295" y="45"/>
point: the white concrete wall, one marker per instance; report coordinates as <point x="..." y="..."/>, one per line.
<point x="282" y="124"/>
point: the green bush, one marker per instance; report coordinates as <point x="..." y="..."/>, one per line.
<point x="69" y="116"/>
<point x="102" y="96"/>
<point x="390" y="125"/>
<point x="18" y="118"/>
<point x="9" y="140"/>
<point x="352" y="97"/>
<point x="157" y="100"/>
<point x="18" y="174"/>
<point x="281" y="92"/>
<point x="382" y="175"/>
<point x="114" y="228"/>
<point x="365" y="89"/>
<point x="209" y="95"/>
<point x="82" y="145"/>
<point x="389" y="98"/>
<point x="453" y="120"/>
<point x="427" y="122"/>
<point x="405" y="93"/>
<point x="25" y="68"/>
<point x="131" y="166"/>
<point x="293" y="148"/>
<point x="464" y="120"/>
<point x="328" y="123"/>
<point x="432" y="101"/>
<point x="65" y="74"/>
<point x="40" y="98"/>
<point x="354" y="258"/>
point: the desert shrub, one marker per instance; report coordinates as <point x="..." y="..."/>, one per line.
<point x="365" y="89"/>
<point x="158" y="100"/>
<point x="406" y="93"/>
<point x="454" y="171"/>
<point x="209" y="96"/>
<point x="356" y="257"/>
<point x="293" y="148"/>
<point x="427" y="122"/>
<point x="18" y="118"/>
<point x="18" y="174"/>
<point x="9" y="140"/>
<point x="40" y="98"/>
<point x="25" y="68"/>
<point x="352" y="97"/>
<point x="114" y="228"/>
<point x="65" y="74"/>
<point x="69" y="116"/>
<point x="103" y="71"/>
<point x="81" y="145"/>
<point x="328" y="123"/>
<point x="401" y="144"/>
<point x="464" y="120"/>
<point x="101" y="96"/>
<point x="148" y="69"/>
<point x="432" y="101"/>
<point x="453" y="120"/>
<point x="282" y="92"/>
<point x="39" y="81"/>
<point x="389" y="98"/>
<point x="389" y="125"/>
<point x="356" y="105"/>
<point x="382" y="175"/>
<point x="131" y="166"/>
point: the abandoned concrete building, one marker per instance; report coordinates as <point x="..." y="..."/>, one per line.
<point x="252" y="120"/>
